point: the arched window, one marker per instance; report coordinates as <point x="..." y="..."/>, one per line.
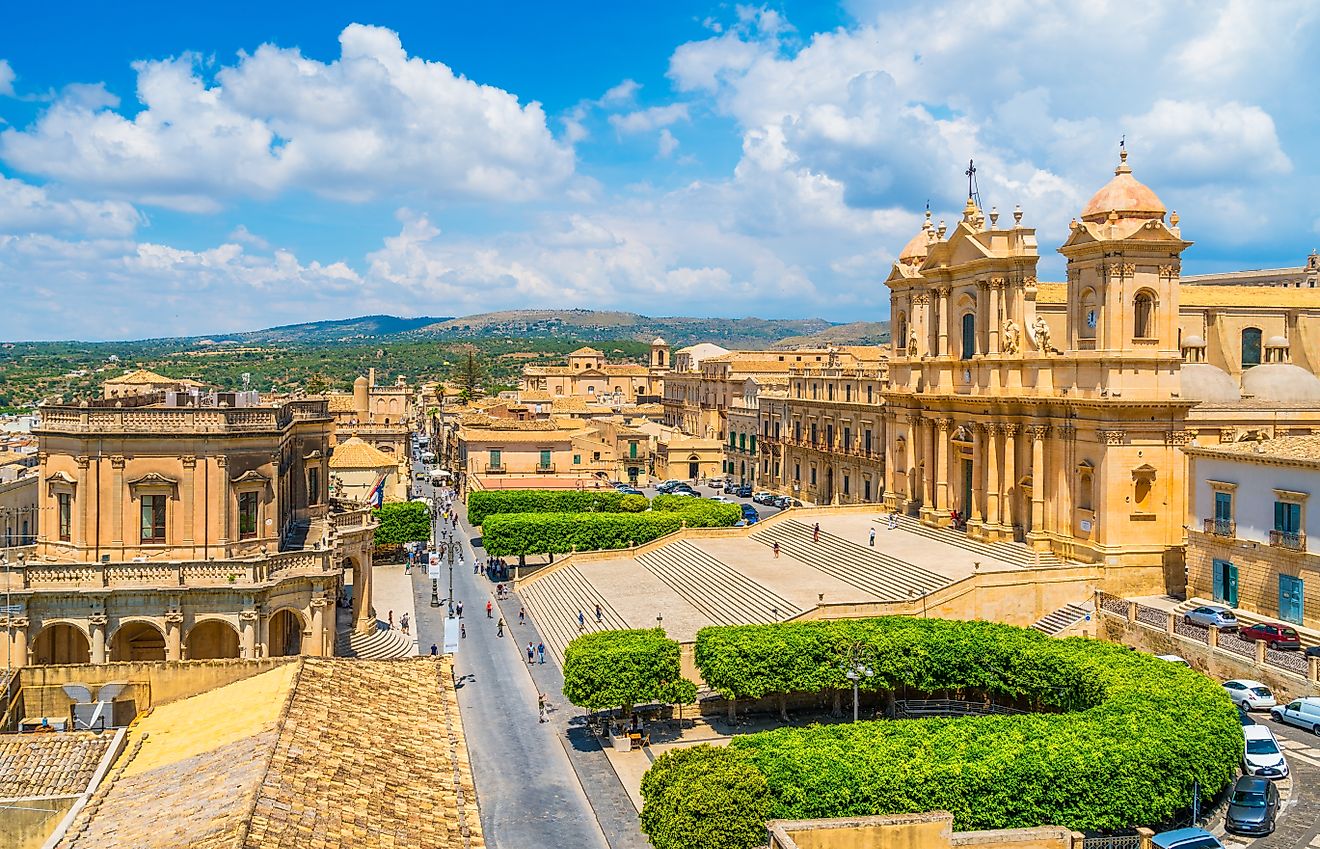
<point x="1089" y="316"/>
<point x="968" y="335"/>
<point x="901" y="334"/>
<point x="1250" y="347"/>
<point x="1143" y="316"/>
<point x="1084" y="488"/>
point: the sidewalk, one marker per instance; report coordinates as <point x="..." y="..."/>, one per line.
<point x="392" y="591"/>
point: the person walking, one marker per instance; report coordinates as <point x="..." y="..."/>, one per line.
<point x="540" y="652"/>
<point x="582" y="621"/>
<point x="489" y="608"/>
<point x="540" y="706"/>
<point x="815" y="533"/>
<point x="459" y="608"/>
<point x="598" y="613"/>
<point x="434" y="649"/>
<point x="893" y="519"/>
<point x="499" y="629"/>
<point x="462" y="630"/>
<point x="391" y="620"/>
<point x="531" y="653"/>
<point x="522" y="617"/>
<point x="872" y="540"/>
<point x="775" y="549"/>
<point x="403" y="623"/>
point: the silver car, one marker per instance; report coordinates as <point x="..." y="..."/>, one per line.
<point x="1212" y="614"/>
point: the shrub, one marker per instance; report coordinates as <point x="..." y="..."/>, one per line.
<point x="483" y="504"/>
<point x="511" y="534"/>
<point x="702" y="797"/>
<point x="404" y="521"/>
<point x="1138" y="733"/>
<point x="610" y="669"/>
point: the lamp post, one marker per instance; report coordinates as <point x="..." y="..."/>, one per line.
<point x="858" y="667"/>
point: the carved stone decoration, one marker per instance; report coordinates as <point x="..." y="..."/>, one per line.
<point x="1012" y="337"/>
<point x="1177" y="437"/>
<point x="1227" y="434"/>
<point x="1113" y="437"/>
<point x="944" y="424"/>
<point x="1168" y="272"/>
<point x="1040" y="335"/>
<point x="997" y="282"/>
<point x="174" y="617"/>
<point x="98" y="620"/>
<point x="1011" y="429"/>
<point x="83" y="461"/>
<point x="247" y="616"/>
<point x="117" y="461"/>
<point x="912" y="345"/>
<point x="189" y="461"/>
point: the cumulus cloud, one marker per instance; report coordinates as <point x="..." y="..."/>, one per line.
<point x="25" y="208"/>
<point x="646" y="120"/>
<point x="667" y="144"/>
<point x="373" y="121"/>
<point x="6" y="79"/>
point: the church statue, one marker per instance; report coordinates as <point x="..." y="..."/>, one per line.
<point x="912" y="345"/>
<point x="1042" y="333"/>
<point x="1012" y="337"/>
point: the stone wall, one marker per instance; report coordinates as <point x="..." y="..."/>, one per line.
<point x="932" y="830"/>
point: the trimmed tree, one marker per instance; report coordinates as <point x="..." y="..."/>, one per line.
<point x="609" y="669"/>
<point x="401" y="522"/>
<point x="702" y="797"/>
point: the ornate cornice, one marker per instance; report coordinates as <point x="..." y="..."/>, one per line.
<point x="1112" y="437"/>
<point x="1038" y="431"/>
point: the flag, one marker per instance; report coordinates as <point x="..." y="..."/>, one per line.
<point x="377" y="494"/>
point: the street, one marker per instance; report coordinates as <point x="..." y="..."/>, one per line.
<point x="1299" y="823"/>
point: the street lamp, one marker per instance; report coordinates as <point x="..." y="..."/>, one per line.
<point x="857" y="667"/>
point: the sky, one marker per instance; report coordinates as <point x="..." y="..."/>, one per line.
<point x="171" y="169"/>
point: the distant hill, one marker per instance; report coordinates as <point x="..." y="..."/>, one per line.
<point x="339" y="330"/>
<point x="593" y="325"/>
<point x="855" y="333"/>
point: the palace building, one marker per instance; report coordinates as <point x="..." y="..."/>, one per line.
<point x="590" y="376"/>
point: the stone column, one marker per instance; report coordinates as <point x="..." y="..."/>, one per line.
<point x="1008" y="487"/>
<point x="994" y="321"/>
<point x="943" y="318"/>
<point x="318" y="626"/>
<point x="17" y="626"/>
<point x="943" y="426"/>
<point x="188" y="495"/>
<point x="173" y="635"/>
<point x="117" y="501"/>
<point x="84" y="535"/>
<point x="993" y="517"/>
<point x="97" y="622"/>
<point x="247" y="625"/>
<point x="977" y="518"/>
<point x="222" y="495"/>
<point x="1038" y="483"/>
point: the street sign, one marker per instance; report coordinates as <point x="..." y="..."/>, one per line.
<point x="11" y="609"/>
<point x="451" y="635"/>
<point x="433" y="566"/>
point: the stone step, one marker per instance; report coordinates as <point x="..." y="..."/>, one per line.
<point x="1060" y="620"/>
<point x="384" y="643"/>
<point x="1009" y="552"/>
<point x="554" y="600"/>
<point x="868" y="569"/>
<point x="725" y="595"/>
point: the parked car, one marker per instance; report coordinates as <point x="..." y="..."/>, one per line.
<point x="1303" y="713"/>
<point x="783" y="502"/>
<point x="630" y="490"/>
<point x="1244" y="717"/>
<point x="1186" y="838"/>
<point x="723" y="499"/>
<point x="1252" y="807"/>
<point x="1313" y="651"/>
<point x="666" y="486"/>
<point x="764" y="497"/>
<point x="1262" y="755"/>
<point x="1249" y="694"/>
<point x="684" y="489"/>
<point x="1212" y="614"/>
<point x="1273" y="634"/>
<point x="751" y="514"/>
<point x="744" y="491"/>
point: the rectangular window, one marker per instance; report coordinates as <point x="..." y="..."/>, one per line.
<point x="868" y="394"/>
<point x="545" y="460"/>
<point x="153" y="518"/>
<point x="847" y="438"/>
<point x="1223" y="507"/>
<point x="1287" y="517"/>
<point x="797" y="471"/>
<point x="733" y="439"/>
<point x="776" y="430"/>
<point x="751" y="444"/>
<point x="813" y="433"/>
<point x="494" y="460"/>
<point x="829" y="436"/>
<point x="847" y="392"/>
<point x="866" y="437"/>
<point x="66" y="516"/>
<point x="313" y="485"/>
<point x="866" y="490"/>
<point x="813" y="475"/>
<point x="577" y="459"/>
<point x="632" y="450"/>
<point x="595" y="455"/>
<point x="247" y="515"/>
<point x="829" y="391"/>
<point x="845" y="484"/>
<point x="797" y="431"/>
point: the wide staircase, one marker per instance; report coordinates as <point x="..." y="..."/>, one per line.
<point x="725" y="595"/>
<point x="875" y="572"/>
<point x="555" y="600"/>
<point x="1062" y="619"/>
<point x="383" y="643"/>
<point x="1007" y="552"/>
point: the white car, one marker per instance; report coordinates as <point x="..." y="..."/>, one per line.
<point x="723" y="499"/>
<point x="1249" y="695"/>
<point x="1262" y="756"/>
<point x="1304" y="713"/>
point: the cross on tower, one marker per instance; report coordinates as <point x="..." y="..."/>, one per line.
<point x="971" y="175"/>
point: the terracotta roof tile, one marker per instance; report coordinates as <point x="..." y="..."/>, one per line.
<point x="49" y="764"/>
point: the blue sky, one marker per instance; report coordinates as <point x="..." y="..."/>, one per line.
<point x="164" y="173"/>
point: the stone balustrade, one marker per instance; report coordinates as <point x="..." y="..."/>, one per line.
<point x="175" y="573"/>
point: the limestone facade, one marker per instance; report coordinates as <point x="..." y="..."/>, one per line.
<point x="184" y="526"/>
<point x="590" y="376"/>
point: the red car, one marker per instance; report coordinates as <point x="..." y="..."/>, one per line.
<point x="1275" y="636"/>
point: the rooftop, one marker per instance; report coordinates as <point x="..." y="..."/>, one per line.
<point x="49" y="764"/>
<point x="353" y="453"/>
<point x="1299" y="450"/>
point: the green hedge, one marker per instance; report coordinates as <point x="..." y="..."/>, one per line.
<point x="703" y="797"/>
<point x="483" y="504"/>
<point x="1139" y="730"/>
<point x="402" y="521"/>
<point x="609" y="669"/>
<point x="512" y="534"/>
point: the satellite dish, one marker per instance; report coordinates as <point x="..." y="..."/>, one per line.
<point x="111" y="689"/>
<point x="78" y="692"/>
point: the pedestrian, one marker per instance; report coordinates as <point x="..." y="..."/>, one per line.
<point x="434" y="649"/>
<point x="893" y="519"/>
<point x="462" y="630"/>
<point x="540" y="705"/>
<point x="872" y="538"/>
<point x="459" y="608"/>
<point x="391" y="620"/>
<point x="499" y="629"/>
<point x="522" y="616"/>
<point x="582" y="621"/>
<point x="531" y="653"/>
<point x="775" y="548"/>
<point x="815" y="533"/>
<point x="597" y="613"/>
<point x="540" y="652"/>
<point x="489" y="608"/>
<point x="403" y="623"/>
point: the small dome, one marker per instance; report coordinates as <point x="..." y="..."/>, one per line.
<point x="1276" y="342"/>
<point x="1193" y="342"/>
<point x="657" y="342"/>
<point x="1125" y="195"/>
<point x="1207" y="383"/>
<point x="1281" y="382"/>
<point x="918" y="247"/>
<point x="361" y="381"/>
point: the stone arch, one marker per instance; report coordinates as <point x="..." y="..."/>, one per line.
<point x="1087" y="316"/>
<point x="967" y="335"/>
<point x="1251" y="347"/>
<point x="285" y="633"/>
<point x="213" y="638"/>
<point x="61" y="642"/>
<point x="137" y="639"/>
<point x="1144" y="305"/>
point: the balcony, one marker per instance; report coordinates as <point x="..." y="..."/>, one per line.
<point x="496" y="468"/>
<point x="545" y="468"/>
<point x="1221" y="527"/>
<point x="1291" y="540"/>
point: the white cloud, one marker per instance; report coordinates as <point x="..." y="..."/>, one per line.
<point x="374" y="121"/>
<point x="242" y="234"/>
<point x="25" y="208"/>
<point x="621" y="94"/>
<point x="667" y="144"/>
<point x="646" y="120"/>
<point x="6" y="79"/>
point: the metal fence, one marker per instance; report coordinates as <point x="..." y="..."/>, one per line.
<point x="918" y="708"/>
<point x="1121" y="841"/>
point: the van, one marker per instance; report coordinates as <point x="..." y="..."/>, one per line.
<point x="1303" y="713"/>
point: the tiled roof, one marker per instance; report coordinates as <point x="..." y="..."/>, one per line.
<point x="502" y="437"/>
<point x="141" y="376"/>
<point x="353" y="453"/>
<point x="1303" y="450"/>
<point x="342" y="753"/>
<point x="49" y="764"/>
<point x="586" y="352"/>
<point x="626" y="369"/>
<point x="529" y="396"/>
<point x="341" y="403"/>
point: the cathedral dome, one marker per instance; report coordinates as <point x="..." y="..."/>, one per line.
<point x="918" y="247"/>
<point x="1125" y="196"/>
<point x="1281" y="382"/>
<point x="1209" y="384"/>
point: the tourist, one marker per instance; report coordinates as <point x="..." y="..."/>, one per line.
<point x="391" y="620"/>
<point x="531" y="653"/>
<point x="434" y="649"/>
<point x="462" y="630"/>
<point x="489" y="608"/>
<point x="815" y="533"/>
<point x="893" y="519"/>
<point x="522" y="616"/>
<point x="403" y="623"/>
<point x="540" y="652"/>
<point x="582" y="621"/>
<point x="499" y="629"/>
<point x="597" y="613"/>
<point x="540" y="705"/>
<point x="872" y="540"/>
<point x="459" y="608"/>
<point x="775" y="549"/>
